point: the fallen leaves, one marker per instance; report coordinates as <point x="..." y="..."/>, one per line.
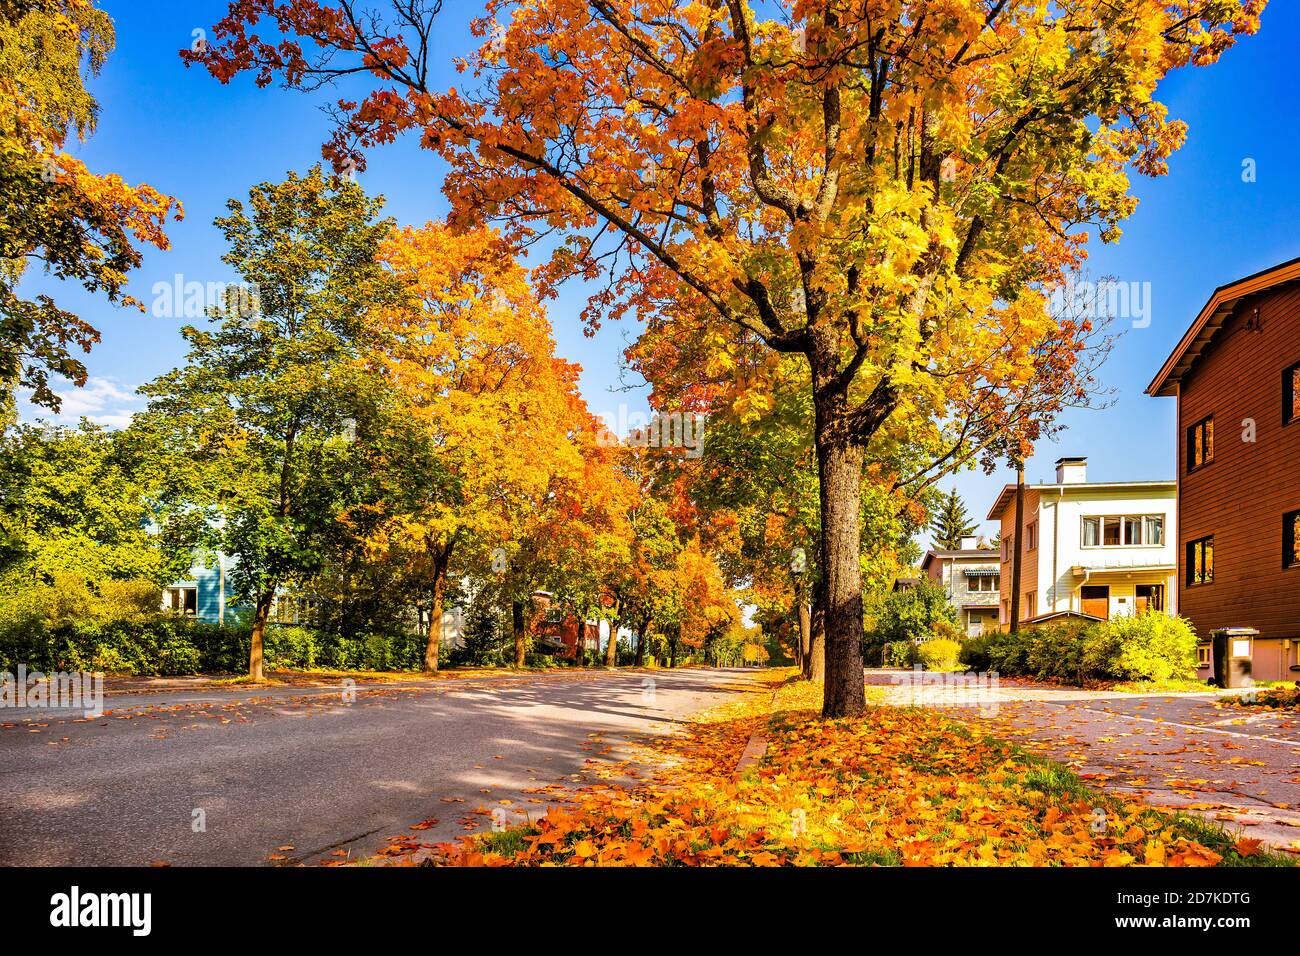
<point x="893" y="787"/>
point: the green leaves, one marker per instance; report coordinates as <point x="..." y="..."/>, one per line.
<point x="270" y="423"/>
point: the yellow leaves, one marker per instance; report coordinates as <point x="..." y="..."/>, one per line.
<point x="895" y="787"/>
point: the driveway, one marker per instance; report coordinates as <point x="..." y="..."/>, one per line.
<point x="1240" y="766"/>
<point x="244" y="777"/>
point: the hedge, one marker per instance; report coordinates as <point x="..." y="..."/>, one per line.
<point x="1151" y="646"/>
<point x="170" y="645"/>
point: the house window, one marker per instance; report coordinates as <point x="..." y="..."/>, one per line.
<point x="1110" y="532"/>
<point x="1200" y="561"/>
<point x="1008" y="547"/>
<point x="181" y="600"/>
<point x="1200" y="443"/>
<point x="1291" y="394"/>
<point x="1150" y="597"/>
<point x="1031" y="536"/>
<point x="1202" y="655"/>
<point x="1291" y="539"/>
<point x="983" y="583"/>
<point x="1129" y="531"/>
<point x="1027" y="604"/>
<point x="1154" y="530"/>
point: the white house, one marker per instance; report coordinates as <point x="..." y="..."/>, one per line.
<point x="971" y="577"/>
<point x="1098" y="548"/>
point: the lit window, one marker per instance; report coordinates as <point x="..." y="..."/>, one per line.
<point x="1200" y="443"/>
<point x="1291" y="540"/>
<point x="1291" y="394"/>
<point x="1200" y="561"/>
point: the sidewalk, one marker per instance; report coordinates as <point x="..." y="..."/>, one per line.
<point x="1185" y="751"/>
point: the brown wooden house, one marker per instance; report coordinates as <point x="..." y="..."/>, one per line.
<point x="1236" y="375"/>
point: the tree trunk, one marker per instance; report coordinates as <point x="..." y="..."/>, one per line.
<point x="814" y="666"/>
<point x="672" y="653"/>
<point x="261" y="611"/>
<point x="611" y="649"/>
<point x="580" y="651"/>
<point x="1017" y="547"/>
<point x="839" y="466"/>
<point x="519" y="626"/>
<point x="441" y="557"/>
<point x="805" y="628"/>
<point x="641" y="635"/>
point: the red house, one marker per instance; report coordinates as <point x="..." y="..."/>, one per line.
<point x="1236" y="376"/>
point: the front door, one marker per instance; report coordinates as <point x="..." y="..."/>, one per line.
<point x="1094" y="599"/>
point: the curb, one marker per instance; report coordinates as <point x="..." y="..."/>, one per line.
<point x="755" y="747"/>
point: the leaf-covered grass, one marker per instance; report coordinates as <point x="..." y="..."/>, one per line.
<point x="896" y="786"/>
<point x="1173" y="685"/>
<point x="1277" y="697"/>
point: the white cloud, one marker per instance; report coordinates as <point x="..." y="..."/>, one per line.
<point x="104" y="401"/>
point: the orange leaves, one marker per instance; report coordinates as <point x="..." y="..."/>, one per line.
<point x="896" y="787"/>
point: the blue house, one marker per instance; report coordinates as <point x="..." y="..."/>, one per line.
<point x="203" y="593"/>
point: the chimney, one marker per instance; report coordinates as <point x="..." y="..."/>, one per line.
<point x="1071" y="471"/>
<point x="969" y="542"/>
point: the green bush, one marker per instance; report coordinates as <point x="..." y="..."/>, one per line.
<point x="897" y="654"/>
<point x="1151" y="646"/>
<point x="170" y="645"/>
<point x="1147" y="647"/>
<point x="939" y="654"/>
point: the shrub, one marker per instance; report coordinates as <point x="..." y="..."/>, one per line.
<point x="939" y="654"/>
<point x="897" y="654"/>
<point x="1148" y="646"/>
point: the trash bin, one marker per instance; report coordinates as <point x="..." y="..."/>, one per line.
<point x="1230" y="649"/>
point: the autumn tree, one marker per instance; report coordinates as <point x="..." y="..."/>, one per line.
<point x="582" y="535"/>
<point x="260" y="422"/>
<point x="887" y="188"/>
<point x="468" y="348"/>
<point x="78" y="225"/>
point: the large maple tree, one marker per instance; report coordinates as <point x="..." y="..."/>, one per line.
<point x="887" y="188"/>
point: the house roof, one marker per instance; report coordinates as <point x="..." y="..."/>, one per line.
<point x="1008" y="493"/>
<point x="1211" y="318"/>
<point x="936" y="554"/>
<point x="1054" y="615"/>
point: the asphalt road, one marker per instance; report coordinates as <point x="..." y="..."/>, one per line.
<point x="237" y="776"/>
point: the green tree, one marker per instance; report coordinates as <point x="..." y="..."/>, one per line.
<point x="76" y="503"/>
<point x="951" y="522"/>
<point x="263" y="419"/>
<point x="921" y="611"/>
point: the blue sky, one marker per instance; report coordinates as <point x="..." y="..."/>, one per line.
<point x="1194" y="229"/>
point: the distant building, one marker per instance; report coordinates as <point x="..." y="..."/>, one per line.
<point x="204" y="594"/>
<point x="1236" y="376"/>
<point x="1102" y="549"/>
<point x="555" y="629"/>
<point x="971" y="577"/>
